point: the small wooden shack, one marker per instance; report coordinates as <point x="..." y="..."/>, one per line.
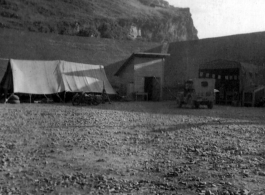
<point x="142" y="76"/>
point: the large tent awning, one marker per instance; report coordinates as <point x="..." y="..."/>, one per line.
<point x="84" y="77"/>
<point x="48" y="77"/>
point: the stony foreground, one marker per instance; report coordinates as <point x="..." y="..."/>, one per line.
<point x="131" y="148"/>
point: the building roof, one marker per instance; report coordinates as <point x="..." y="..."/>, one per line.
<point x="229" y="64"/>
<point x="141" y="55"/>
<point x="220" y="64"/>
<point x="186" y="56"/>
<point x="150" y="55"/>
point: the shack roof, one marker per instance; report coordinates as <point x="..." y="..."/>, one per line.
<point x="150" y="55"/>
<point x="141" y="55"/>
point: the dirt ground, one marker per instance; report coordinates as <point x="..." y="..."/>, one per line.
<point x="131" y="148"/>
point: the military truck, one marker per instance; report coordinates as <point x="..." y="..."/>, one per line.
<point x="197" y="92"/>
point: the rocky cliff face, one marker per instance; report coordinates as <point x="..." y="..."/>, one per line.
<point x="116" y="19"/>
<point x="168" y="29"/>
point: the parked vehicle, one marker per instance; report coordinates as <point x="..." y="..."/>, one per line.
<point x="197" y="92"/>
<point x="85" y="98"/>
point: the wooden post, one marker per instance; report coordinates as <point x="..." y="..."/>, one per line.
<point x="162" y="79"/>
<point x="64" y="96"/>
<point x="5" y="95"/>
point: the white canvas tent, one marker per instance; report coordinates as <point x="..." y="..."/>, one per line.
<point x="49" y="77"/>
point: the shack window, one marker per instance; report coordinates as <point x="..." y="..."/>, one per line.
<point x="201" y="74"/>
<point x="204" y="84"/>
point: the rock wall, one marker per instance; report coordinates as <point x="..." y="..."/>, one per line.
<point x="171" y="28"/>
<point x="157" y="21"/>
<point x="168" y="28"/>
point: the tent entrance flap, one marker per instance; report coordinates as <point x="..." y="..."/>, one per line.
<point x="7" y="80"/>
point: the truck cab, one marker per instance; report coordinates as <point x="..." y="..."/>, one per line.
<point x="204" y="92"/>
<point x="197" y="92"/>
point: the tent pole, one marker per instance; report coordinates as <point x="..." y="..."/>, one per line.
<point x="45" y="97"/>
<point x="64" y="96"/>
<point x="9" y="97"/>
<point x="5" y="95"/>
<point x="59" y="97"/>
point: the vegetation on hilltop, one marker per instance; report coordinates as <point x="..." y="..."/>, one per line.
<point x="117" y="19"/>
<point x="160" y="3"/>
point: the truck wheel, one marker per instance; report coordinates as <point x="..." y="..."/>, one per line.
<point x="95" y="101"/>
<point x="76" y="100"/>
<point x="210" y="105"/>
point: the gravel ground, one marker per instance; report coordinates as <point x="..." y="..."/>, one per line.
<point x="131" y="148"/>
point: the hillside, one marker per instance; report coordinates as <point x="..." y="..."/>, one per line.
<point x="37" y="46"/>
<point x="117" y="19"/>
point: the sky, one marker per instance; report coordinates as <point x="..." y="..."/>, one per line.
<point x="215" y="18"/>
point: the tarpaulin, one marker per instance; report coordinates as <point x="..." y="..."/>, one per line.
<point x="48" y="77"/>
<point x="36" y="77"/>
<point x="84" y="77"/>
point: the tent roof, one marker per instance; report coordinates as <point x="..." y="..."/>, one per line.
<point x="150" y="55"/>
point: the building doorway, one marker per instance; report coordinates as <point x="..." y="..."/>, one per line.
<point x="152" y="88"/>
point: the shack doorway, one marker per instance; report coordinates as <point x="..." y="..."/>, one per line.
<point x="152" y="88"/>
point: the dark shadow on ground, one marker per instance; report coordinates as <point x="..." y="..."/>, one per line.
<point x="199" y="125"/>
<point x="250" y="114"/>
